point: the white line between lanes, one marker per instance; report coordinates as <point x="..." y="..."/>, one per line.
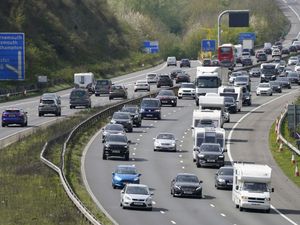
<point x="238" y="122"/>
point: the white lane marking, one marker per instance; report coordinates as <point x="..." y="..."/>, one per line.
<point x="183" y="137"/>
<point x="133" y="165"/>
<point x="169" y="113"/>
<point x="153" y="202"/>
<point x="180" y="145"/>
<point x="222" y="214"/>
<point x="133" y="159"/>
<point x="174" y="111"/>
<point x="238" y="122"/>
<point x="181" y="141"/>
<point x="144" y="131"/>
<point x="165" y="115"/>
<point x="133" y="153"/>
<point x="180" y="156"/>
<point x="181" y="161"/>
<point x="147" y="128"/>
<point x="173" y="222"/>
<point x="185" y="133"/>
<point x="141" y="135"/>
<point x="212" y="205"/>
<point x="138" y="139"/>
<point x="162" y="212"/>
<point x="151" y="124"/>
<point x="134" y="149"/>
<point x="182" y="167"/>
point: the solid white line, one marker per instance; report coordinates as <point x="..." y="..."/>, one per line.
<point x="294" y="11"/>
<point x="237" y="123"/>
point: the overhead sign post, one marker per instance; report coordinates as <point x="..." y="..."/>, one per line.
<point x="12" y="56"/>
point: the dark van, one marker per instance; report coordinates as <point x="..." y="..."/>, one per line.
<point x="80" y="97"/>
<point x="102" y="87"/>
<point x="150" y="108"/>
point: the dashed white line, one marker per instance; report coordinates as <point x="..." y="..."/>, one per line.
<point x="180" y="156"/>
<point x="138" y="139"/>
<point x="183" y="137"/>
<point x="222" y="214"/>
<point x="133" y="153"/>
<point x="173" y="222"/>
<point x="141" y="135"/>
<point x="181" y="161"/>
<point x="162" y="212"/>
<point x="212" y="205"/>
<point x="183" y="167"/>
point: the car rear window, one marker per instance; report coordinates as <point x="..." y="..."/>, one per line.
<point x="78" y="93"/>
<point x="150" y="103"/>
<point x="48" y="101"/>
<point x="102" y="82"/>
<point x="12" y="110"/>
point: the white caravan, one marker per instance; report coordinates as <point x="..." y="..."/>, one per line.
<point x="235" y="92"/>
<point x="84" y="80"/>
<point x="252" y="186"/>
<point x="206" y="118"/>
<point x="208" y="79"/>
<point x="208" y="135"/>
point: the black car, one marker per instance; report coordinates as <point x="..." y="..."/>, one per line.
<point x="167" y="97"/>
<point x="278" y="44"/>
<point x="112" y="129"/>
<point x="284" y="82"/>
<point x="247" y="98"/>
<point x="262" y="57"/>
<point x="246" y="62"/>
<point x="150" y="108"/>
<point x="276" y="86"/>
<point x="134" y="113"/>
<point x="210" y="154"/>
<point x="293" y="48"/>
<point x="175" y="72"/>
<point x="224" y="177"/>
<point x="164" y="80"/>
<point x="230" y="104"/>
<point x="116" y="145"/>
<point x="123" y="118"/>
<point x="285" y="51"/>
<point x="206" y="62"/>
<point x="182" y="78"/>
<point x="185" y="63"/>
<point x="186" y="184"/>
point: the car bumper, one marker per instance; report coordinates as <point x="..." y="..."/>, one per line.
<point x="193" y="193"/>
<point x="215" y="163"/>
<point x="165" y="148"/>
<point x="168" y="101"/>
<point x="186" y="94"/>
<point x="224" y="185"/>
<point x="13" y="120"/>
<point x="254" y="205"/>
<point x="137" y="204"/>
<point x="151" y="114"/>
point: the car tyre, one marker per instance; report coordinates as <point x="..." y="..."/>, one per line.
<point x="179" y="97"/>
<point x="268" y="210"/>
<point x="3" y="124"/>
<point x="41" y="114"/>
<point x="198" y="164"/>
<point x="241" y="209"/>
<point x="127" y="156"/>
<point x="104" y="156"/>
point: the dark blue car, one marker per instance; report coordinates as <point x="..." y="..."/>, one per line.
<point x="125" y="174"/>
<point x="14" y="116"/>
<point x="150" y="108"/>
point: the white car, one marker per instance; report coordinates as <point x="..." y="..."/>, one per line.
<point x="187" y="90"/>
<point x="297" y="67"/>
<point x="171" y="61"/>
<point x="264" y="89"/>
<point x="151" y="78"/>
<point x="233" y="75"/>
<point x="165" y="141"/>
<point x="293" y="60"/>
<point x="276" y="52"/>
<point x="136" y="196"/>
<point x="141" y="85"/>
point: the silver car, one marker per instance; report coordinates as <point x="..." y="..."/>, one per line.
<point x="136" y="196"/>
<point x="165" y="142"/>
<point x="264" y="89"/>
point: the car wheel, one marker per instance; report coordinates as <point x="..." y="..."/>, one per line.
<point x="3" y="124"/>
<point x="97" y="95"/>
<point x="71" y="107"/>
<point x="158" y="86"/>
<point x="139" y="124"/>
<point x="194" y="160"/>
<point x="114" y="186"/>
<point x="174" y="105"/>
<point x="26" y="123"/>
<point x="127" y="156"/>
<point x="110" y="98"/>
<point x="155" y="149"/>
<point x="268" y="210"/>
<point x="130" y="130"/>
<point x="104" y="156"/>
<point x="271" y="94"/>
<point x="198" y="164"/>
<point x="241" y="209"/>
<point x="124" y="207"/>
<point x="200" y="195"/>
<point x="159" y="117"/>
<point x="236" y="206"/>
<point x="179" y="97"/>
<point x="41" y="114"/>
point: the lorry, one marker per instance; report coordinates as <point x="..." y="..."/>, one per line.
<point x="206" y="118"/>
<point x="252" y="186"/>
<point x="238" y="53"/>
<point x="248" y="44"/>
<point x="85" y="80"/>
<point x="208" y="135"/>
<point x="208" y="79"/>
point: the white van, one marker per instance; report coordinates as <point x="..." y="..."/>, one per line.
<point x="171" y="61"/>
<point x="235" y="92"/>
<point x="85" y="80"/>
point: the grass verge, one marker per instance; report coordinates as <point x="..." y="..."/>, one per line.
<point x="283" y="158"/>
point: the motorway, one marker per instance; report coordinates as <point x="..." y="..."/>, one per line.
<point x="247" y="141"/>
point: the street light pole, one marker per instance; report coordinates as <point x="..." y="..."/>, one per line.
<point x="219" y="21"/>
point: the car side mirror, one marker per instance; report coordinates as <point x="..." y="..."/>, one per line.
<point x="151" y="193"/>
<point x="103" y="141"/>
<point x="129" y="141"/>
<point x="139" y="174"/>
<point x="237" y="187"/>
<point x="225" y="150"/>
<point x="200" y="182"/>
<point x="122" y="192"/>
<point x="192" y="127"/>
<point x="113" y="173"/>
<point x="272" y="189"/>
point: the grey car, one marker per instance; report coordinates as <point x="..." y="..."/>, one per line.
<point x="118" y="91"/>
<point x="135" y="114"/>
<point x="80" y="97"/>
<point x="123" y="118"/>
<point x="49" y="105"/>
<point x="224" y="177"/>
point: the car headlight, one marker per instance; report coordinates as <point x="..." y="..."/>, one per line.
<point x="136" y="178"/>
<point x="125" y="146"/>
<point x="193" y="91"/>
<point x="221" y="156"/>
<point x="118" y="178"/>
<point x="128" y="198"/>
<point x="262" y="75"/>
<point x="177" y="187"/>
<point x="157" y="110"/>
<point x="200" y="155"/>
<point x="268" y="199"/>
<point x="136" y="116"/>
<point x="198" y="188"/>
<point x="244" y="197"/>
<point x="142" y="110"/>
<point x="221" y="180"/>
<point x="113" y="121"/>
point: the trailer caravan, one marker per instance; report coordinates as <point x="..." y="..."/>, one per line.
<point x="235" y="92"/>
<point x="252" y="186"/>
<point x="85" y="80"/>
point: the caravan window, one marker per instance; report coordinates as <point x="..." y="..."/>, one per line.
<point x="234" y="95"/>
<point x="255" y="187"/>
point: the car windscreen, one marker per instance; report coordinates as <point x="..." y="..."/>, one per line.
<point x="255" y="187"/>
<point x="241" y="79"/>
<point x="116" y="127"/>
<point x="78" y="94"/>
<point x="228" y="94"/>
<point x="117" y="138"/>
<point x="166" y="136"/>
<point x="151" y="76"/>
<point x="126" y="170"/>
<point x="137" y="190"/>
<point x="121" y="116"/>
<point x="113" y="88"/>
<point x="229" y="100"/>
<point x="187" y="179"/>
<point x="102" y="82"/>
<point x="150" y="103"/>
<point x="128" y="109"/>
<point x="226" y="171"/>
<point x="207" y="82"/>
<point x="210" y="148"/>
<point x="166" y="93"/>
<point x="183" y="85"/>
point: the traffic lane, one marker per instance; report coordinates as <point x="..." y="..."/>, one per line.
<point x="100" y="170"/>
<point x="254" y="132"/>
<point x="154" y="165"/>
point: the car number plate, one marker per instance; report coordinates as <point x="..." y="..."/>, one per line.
<point x="210" y="160"/>
<point x="188" y="192"/>
<point x="138" y="203"/>
<point x="11" y="116"/>
<point x="164" y="101"/>
<point x="149" y="115"/>
<point x="116" y="151"/>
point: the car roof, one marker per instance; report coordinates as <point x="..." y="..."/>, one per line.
<point x="165" y="133"/>
<point x="126" y="166"/>
<point x="13" y="108"/>
<point x="137" y="185"/>
<point x="186" y="174"/>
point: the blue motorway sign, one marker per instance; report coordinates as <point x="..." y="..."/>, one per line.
<point x="12" y="56"/>
<point x="208" y="45"/>
<point x="151" y="46"/>
<point x="247" y="36"/>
